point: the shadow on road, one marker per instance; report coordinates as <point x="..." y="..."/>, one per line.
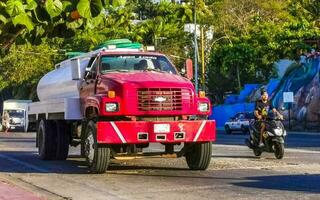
<point x="28" y="162"/>
<point x="235" y="156"/>
<point x="299" y="183"/>
<point x="19" y="141"/>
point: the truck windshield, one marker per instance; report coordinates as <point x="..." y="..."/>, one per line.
<point x="16" y="113"/>
<point x="136" y="63"/>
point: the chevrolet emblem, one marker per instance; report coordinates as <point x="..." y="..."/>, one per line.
<point x="160" y="99"/>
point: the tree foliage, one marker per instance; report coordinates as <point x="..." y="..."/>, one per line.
<point x="252" y="36"/>
<point x="60" y="26"/>
<point x="249" y="35"/>
<point x="24" y="65"/>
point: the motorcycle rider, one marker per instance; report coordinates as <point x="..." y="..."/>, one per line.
<point x="262" y="107"/>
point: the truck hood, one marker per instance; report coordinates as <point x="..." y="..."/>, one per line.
<point x="148" y="79"/>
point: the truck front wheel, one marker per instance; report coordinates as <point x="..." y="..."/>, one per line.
<point x="198" y="155"/>
<point x="98" y="157"/>
<point x="47" y="140"/>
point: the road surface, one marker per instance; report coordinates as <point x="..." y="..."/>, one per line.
<point x="234" y="173"/>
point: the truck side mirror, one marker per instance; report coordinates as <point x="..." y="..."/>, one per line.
<point x="183" y="72"/>
<point x="75" y="69"/>
<point x="90" y="75"/>
<point x="189" y="69"/>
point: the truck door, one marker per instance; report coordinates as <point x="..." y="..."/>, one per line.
<point x="88" y="86"/>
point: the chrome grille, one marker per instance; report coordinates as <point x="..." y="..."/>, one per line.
<point x="162" y="99"/>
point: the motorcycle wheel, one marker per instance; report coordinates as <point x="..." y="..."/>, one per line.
<point x="257" y="152"/>
<point x="278" y="150"/>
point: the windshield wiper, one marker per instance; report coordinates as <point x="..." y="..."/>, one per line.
<point x="154" y="70"/>
<point x="115" y="70"/>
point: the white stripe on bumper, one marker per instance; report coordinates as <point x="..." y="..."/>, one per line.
<point x="114" y="126"/>
<point x="200" y="130"/>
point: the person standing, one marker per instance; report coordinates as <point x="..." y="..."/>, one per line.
<point x="6" y="121"/>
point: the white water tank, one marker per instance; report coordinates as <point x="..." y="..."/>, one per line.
<point x="61" y="82"/>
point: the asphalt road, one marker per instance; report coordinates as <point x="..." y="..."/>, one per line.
<point x="234" y="173"/>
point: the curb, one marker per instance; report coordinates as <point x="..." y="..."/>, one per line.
<point x="8" y="190"/>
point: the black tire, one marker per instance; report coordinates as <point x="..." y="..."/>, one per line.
<point x="198" y="155"/>
<point x="279" y="150"/>
<point x="83" y="137"/>
<point x="47" y="144"/>
<point x="257" y="152"/>
<point x="63" y="140"/>
<point x="227" y="129"/>
<point x="97" y="157"/>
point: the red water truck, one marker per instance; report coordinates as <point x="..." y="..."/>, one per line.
<point x="115" y="102"/>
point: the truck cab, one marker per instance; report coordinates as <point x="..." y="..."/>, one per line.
<point x="138" y="85"/>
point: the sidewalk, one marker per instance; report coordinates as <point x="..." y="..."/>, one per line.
<point x="9" y="191"/>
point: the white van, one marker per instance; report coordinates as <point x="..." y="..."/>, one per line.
<point x="18" y="113"/>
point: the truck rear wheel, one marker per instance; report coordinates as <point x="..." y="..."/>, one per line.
<point x="47" y="140"/>
<point x="198" y="155"/>
<point x="63" y="140"/>
<point x="98" y="157"/>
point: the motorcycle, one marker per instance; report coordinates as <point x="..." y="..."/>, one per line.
<point x="273" y="137"/>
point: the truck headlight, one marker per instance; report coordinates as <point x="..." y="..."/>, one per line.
<point x="203" y="107"/>
<point x="112" y="107"/>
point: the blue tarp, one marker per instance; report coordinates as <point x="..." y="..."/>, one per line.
<point x="222" y="113"/>
<point x="237" y="103"/>
<point x="231" y="99"/>
<point x="245" y="93"/>
<point x="272" y="85"/>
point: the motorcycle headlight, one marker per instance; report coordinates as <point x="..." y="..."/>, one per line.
<point x="112" y="107"/>
<point x="203" y="107"/>
<point x="278" y="131"/>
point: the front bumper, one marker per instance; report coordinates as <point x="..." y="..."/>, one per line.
<point x="136" y="132"/>
<point x="16" y="127"/>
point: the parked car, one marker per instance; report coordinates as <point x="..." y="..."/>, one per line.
<point x="239" y="122"/>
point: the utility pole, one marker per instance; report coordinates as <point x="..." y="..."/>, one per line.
<point x="202" y="60"/>
<point x="195" y="49"/>
<point x="238" y="76"/>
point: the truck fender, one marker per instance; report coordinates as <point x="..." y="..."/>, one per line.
<point x="92" y="107"/>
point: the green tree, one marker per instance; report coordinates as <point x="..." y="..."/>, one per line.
<point x="251" y="36"/>
<point x="24" y="65"/>
<point x="31" y="20"/>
